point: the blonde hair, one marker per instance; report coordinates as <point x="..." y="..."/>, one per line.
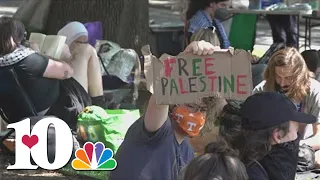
<point x="289" y="57"/>
<point x="207" y="35"/>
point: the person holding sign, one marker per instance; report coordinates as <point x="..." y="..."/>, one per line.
<point x="155" y="146"/>
<point x="287" y="73"/>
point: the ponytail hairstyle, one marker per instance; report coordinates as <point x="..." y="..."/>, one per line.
<point x="230" y="122"/>
<point x="219" y="162"/>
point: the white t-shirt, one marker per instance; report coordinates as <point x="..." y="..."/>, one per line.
<point x="310" y="105"/>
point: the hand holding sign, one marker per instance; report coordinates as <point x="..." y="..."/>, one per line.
<point x="201" y="48"/>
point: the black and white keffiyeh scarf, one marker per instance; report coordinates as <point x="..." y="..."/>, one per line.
<point x="16" y="56"/>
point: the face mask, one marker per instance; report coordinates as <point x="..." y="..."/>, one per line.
<point x="221" y="14"/>
<point x="190" y="123"/>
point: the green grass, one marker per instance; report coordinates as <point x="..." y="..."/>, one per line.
<point x="258" y="52"/>
<point x="98" y="175"/>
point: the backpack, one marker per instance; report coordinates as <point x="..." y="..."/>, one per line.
<point x="117" y="65"/>
<point x="306" y="158"/>
<point x="273" y="48"/>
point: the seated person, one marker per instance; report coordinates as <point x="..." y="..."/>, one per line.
<point x="158" y="139"/>
<point x="84" y="60"/>
<point x="210" y="35"/>
<point x="265" y="131"/>
<point x="210" y="130"/>
<point x="288" y="74"/>
<point x="218" y="162"/>
<point x="201" y="14"/>
<point x="48" y="83"/>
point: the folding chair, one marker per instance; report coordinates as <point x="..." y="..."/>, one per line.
<point x="15" y="104"/>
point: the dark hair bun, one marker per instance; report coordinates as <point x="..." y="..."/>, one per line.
<point x="233" y="106"/>
<point x="230" y="115"/>
<point x="220" y="147"/>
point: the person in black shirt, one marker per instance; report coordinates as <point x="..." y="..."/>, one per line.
<point x="265" y="131"/>
<point x="48" y="83"/>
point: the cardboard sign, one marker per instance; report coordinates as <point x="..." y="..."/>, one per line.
<point x="187" y="78"/>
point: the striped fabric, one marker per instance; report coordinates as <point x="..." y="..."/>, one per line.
<point x="225" y="43"/>
<point x="201" y="20"/>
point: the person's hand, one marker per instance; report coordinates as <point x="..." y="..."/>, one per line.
<point x="34" y="46"/>
<point x="201" y="48"/>
<point x="66" y="55"/>
<point x="254" y="59"/>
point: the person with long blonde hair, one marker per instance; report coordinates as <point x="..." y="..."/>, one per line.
<point x="287" y="73"/>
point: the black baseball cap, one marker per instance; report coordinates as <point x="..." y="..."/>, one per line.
<point x="270" y="109"/>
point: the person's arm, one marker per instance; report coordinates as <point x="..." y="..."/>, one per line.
<point x="314" y="140"/>
<point x="156" y="115"/>
<point x="39" y="65"/>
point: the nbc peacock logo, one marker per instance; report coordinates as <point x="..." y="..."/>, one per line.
<point x="94" y="157"/>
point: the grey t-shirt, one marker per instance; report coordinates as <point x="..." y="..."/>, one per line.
<point x="158" y="156"/>
<point x="310" y="105"/>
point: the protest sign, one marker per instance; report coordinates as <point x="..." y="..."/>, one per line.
<point x="187" y="78"/>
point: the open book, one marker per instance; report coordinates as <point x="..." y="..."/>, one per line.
<point x="49" y="45"/>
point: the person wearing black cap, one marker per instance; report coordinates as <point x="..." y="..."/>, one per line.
<point x="269" y="136"/>
<point x="287" y="73"/>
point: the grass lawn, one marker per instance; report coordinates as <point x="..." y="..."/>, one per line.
<point x="258" y="52"/>
<point x="98" y="175"/>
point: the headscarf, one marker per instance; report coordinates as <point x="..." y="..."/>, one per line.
<point x="73" y="31"/>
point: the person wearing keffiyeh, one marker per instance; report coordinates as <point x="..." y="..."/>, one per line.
<point x="49" y="83"/>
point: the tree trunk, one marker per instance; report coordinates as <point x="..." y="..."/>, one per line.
<point x="125" y="22"/>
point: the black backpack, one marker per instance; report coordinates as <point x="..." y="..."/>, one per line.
<point x="273" y="48"/>
<point x="306" y="159"/>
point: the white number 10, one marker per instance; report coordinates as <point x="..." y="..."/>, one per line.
<point x="36" y="144"/>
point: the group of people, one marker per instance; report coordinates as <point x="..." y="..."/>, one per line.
<point x="257" y="139"/>
<point x="59" y="87"/>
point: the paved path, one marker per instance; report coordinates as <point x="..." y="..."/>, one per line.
<point x="166" y="17"/>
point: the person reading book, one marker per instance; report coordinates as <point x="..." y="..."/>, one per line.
<point x="47" y="82"/>
<point x="49" y="45"/>
<point x="85" y="61"/>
